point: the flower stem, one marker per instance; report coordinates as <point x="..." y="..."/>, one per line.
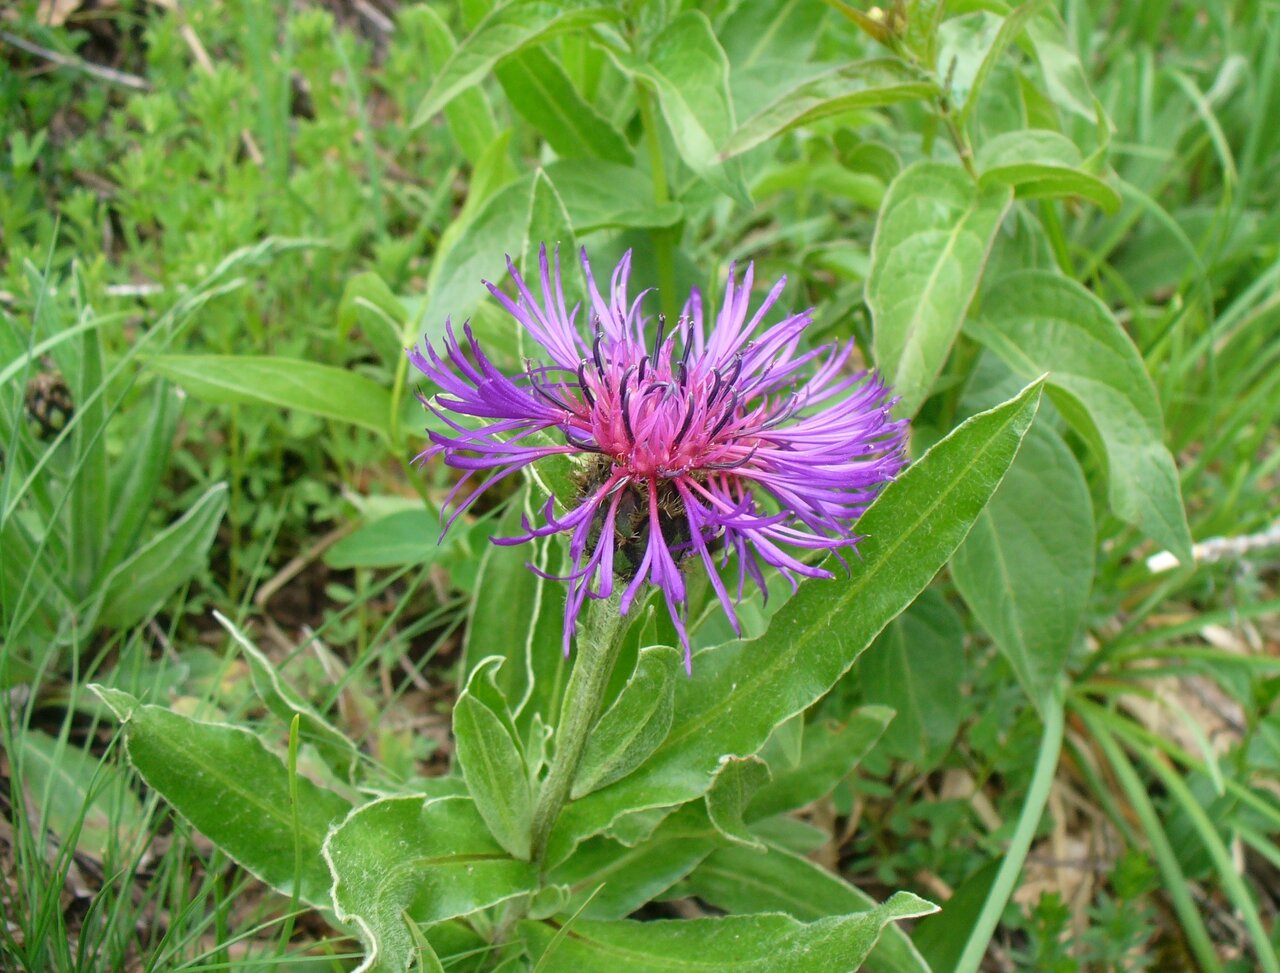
<point x="598" y="644"/>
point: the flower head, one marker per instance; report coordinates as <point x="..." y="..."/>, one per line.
<point x="720" y="443"/>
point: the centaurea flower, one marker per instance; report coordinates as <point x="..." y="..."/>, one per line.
<point x="722" y="443"/>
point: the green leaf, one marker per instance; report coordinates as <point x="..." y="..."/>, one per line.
<point x="469" y="114"/>
<point x="735" y="783"/>
<point x="285" y="383"/>
<point x="285" y="703"/>
<point x="140" y="584"/>
<point x="402" y="859"/>
<point x="1026" y="568"/>
<point x="851" y="87"/>
<point x="539" y="89"/>
<point x="635" y="725"/>
<point x="601" y="195"/>
<point x="79" y="796"/>
<point x="493" y="766"/>
<point x="741" y="690"/>
<point x="931" y="242"/>
<point x="742" y="881"/>
<point x="223" y="781"/>
<point x="514" y="632"/>
<point x="1038" y="162"/>
<point x="508" y="29"/>
<point x="401" y="537"/>
<point x="831" y="752"/>
<point x="1037" y="322"/>
<point x="915" y="666"/>
<point x="611" y="880"/>
<point x="689" y="71"/>
<point x="726" y="944"/>
<point x="135" y="484"/>
<point x="1010" y="28"/>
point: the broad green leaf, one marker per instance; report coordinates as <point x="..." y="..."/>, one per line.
<point x="635" y="725"/>
<point x="742" y="881"/>
<point x="285" y="383"/>
<point x="285" y="703"/>
<point x="1038" y="162"/>
<point x="401" y="537"/>
<point x="79" y="796"/>
<point x="493" y="766"/>
<point x="506" y="580"/>
<point x="469" y="114"/>
<point x="916" y="665"/>
<point x="736" y="782"/>
<point x="831" y="752"/>
<point x="367" y="299"/>
<point x="741" y="690"/>
<point x="613" y="879"/>
<point x="593" y="196"/>
<point x="223" y="781"/>
<point x="539" y="89"/>
<point x="851" y="87"/>
<point x="402" y="860"/>
<point x="601" y="195"/>
<point x="689" y="71"/>
<point x="139" y="585"/>
<point x="1026" y="568"/>
<point x="509" y="28"/>
<point x="1010" y="28"/>
<point x="726" y="944"/>
<point x="935" y="230"/>
<point x="1037" y="322"/>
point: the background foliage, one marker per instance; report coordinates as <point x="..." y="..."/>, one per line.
<point x="223" y="221"/>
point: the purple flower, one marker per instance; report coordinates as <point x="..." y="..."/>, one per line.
<point x="724" y="444"/>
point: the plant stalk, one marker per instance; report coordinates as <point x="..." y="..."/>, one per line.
<point x="598" y="642"/>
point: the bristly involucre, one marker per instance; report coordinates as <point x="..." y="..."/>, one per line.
<point x="722" y="441"/>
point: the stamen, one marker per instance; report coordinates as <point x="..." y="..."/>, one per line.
<point x="595" y="353"/>
<point x="582" y="384"/>
<point x="735" y="464"/>
<point x="684" y="426"/>
<point x="685" y="337"/>
<point x="730" y="409"/>
<point x="715" y="386"/>
<point x="657" y="344"/>
<point x="581" y="444"/>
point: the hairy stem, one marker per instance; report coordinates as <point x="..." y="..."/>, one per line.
<point x="598" y="643"/>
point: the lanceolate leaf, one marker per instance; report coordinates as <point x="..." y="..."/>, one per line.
<point x="742" y="690"/>
<point x="229" y="786"/>
<point x="932" y="239"/>
<point x="689" y="72"/>
<point x="1038" y="162"/>
<point x="403" y="859"/>
<point x="915" y="666"/>
<point x="509" y="28"/>
<point x="736" y="782"/>
<point x="1037" y="322"/>
<point x="728" y="944"/>
<point x="636" y="723"/>
<point x="830" y="753"/>
<point x="865" y="84"/>
<point x="139" y="585"/>
<point x="494" y="769"/>
<point x="540" y="90"/>
<point x="282" y="383"/>
<point x="1026" y="568"/>
<point x="740" y="880"/>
